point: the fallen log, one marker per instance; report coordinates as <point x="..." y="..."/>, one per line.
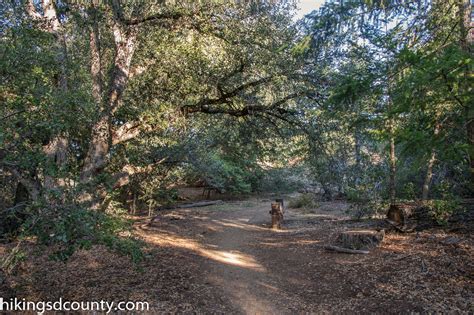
<point x="400" y="213"/>
<point x="192" y="205"/>
<point x="200" y="204"/>
<point x="408" y="217"/>
<point x="346" y="250"/>
<point x="399" y="228"/>
<point x="360" y="239"/>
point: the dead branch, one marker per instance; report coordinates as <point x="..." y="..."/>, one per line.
<point x="345" y="250"/>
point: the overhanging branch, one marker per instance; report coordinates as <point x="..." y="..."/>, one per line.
<point x="274" y="109"/>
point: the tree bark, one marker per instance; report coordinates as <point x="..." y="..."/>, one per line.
<point x="96" y="61"/>
<point x="125" y="38"/>
<point x="429" y="175"/>
<point x="357" y="147"/>
<point x="357" y="153"/>
<point x="360" y="239"/>
<point x="429" y="169"/>
<point x="466" y="42"/>
<point x="31" y="185"/>
<point x="277" y="215"/>
<point x="393" y="169"/>
<point x="392" y="153"/>
<point x="101" y="138"/>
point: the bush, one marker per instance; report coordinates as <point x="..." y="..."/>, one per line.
<point x="359" y="210"/>
<point x="352" y="194"/>
<point x="223" y="174"/>
<point x="442" y="210"/>
<point x="303" y="201"/>
<point x="284" y="179"/>
<point x="12" y="220"/>
<point x="69" y="228"/>
<point x="409" y="191"/>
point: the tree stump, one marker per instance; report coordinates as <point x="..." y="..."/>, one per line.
<point x="277" y="215"/>
<point x="280" y="201"/>
<point x="361" y="239"/>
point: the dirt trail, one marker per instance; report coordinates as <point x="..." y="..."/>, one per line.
<point x="225" y="259"/>
<point x="244" y="276"/>
<point x="259" y="271"/>
<point x="255" y="269"/>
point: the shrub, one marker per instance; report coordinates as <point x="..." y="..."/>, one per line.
<point x="223" y="174"/>
<point x="285" y="179"/>
<point x="303" y="201"/>
<point x="409" y="191"/>
<point x="359" y="210"/>
<point x="71" y="227"/>
<point x="441" y="210"/>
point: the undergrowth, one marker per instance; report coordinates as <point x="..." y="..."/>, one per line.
<point x="306" y="201"/>
<point x="67" y="228"/>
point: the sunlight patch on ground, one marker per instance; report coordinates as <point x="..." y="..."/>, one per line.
<point x="227" y="257"/>
<point x="233" y="258"/>
<point x="238" y="225"/>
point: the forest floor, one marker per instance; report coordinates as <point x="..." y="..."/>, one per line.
<point x="224" y="259"/>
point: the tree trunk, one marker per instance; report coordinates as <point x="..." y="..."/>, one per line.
<point x="32" y="185"/>
<point x="56" y="152"/>
<point x="357" y="142"/>
<point x="393" y="170"/>
<point x="357" y="147"/>
<point x="277" y="215"/>
<point x="360" y="239"/>
<point x="98" y="148"/>
<point x="399" y="213"/>
<point x="466" y="42"/>
<point x="101" y="137"/>
<point x="281" y="201"/>
<point x="429" y="174"/>
<point x="357" y="150"/>
<point x="96" y="61"/>
<point x="429" y="169"/>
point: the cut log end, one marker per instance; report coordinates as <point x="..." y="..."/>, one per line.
<point x="399" y="213"/>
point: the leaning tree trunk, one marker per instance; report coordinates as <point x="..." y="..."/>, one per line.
<point x="101" y="137"/>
